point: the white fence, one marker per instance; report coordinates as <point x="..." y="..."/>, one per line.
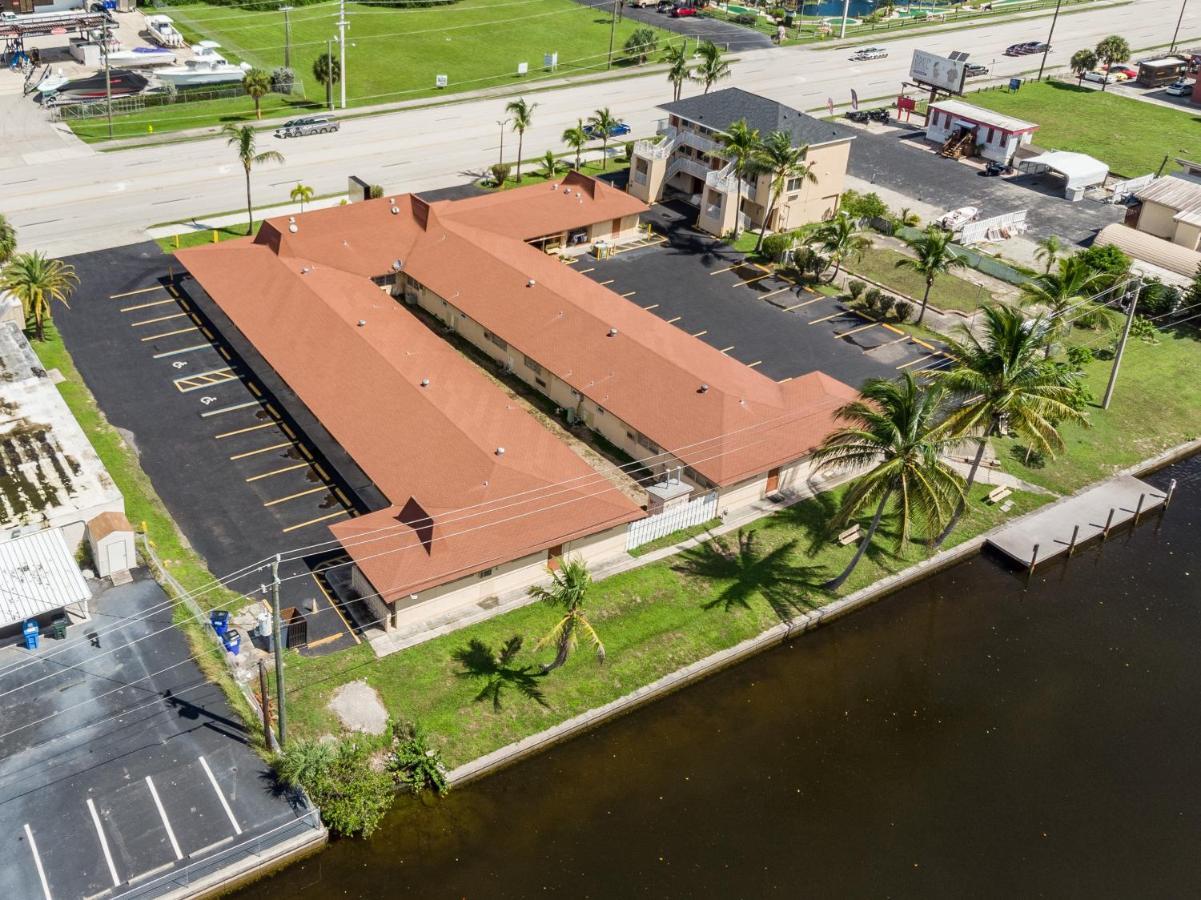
<point x="685" y="515"/>
<point x="1123" y="189"/>
<point x="995" y="229"/>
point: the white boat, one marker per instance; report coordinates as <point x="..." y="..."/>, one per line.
<point x="141" y="56"/>
<point x="51" y="82"/>
<point x="161" y="30"/>
<point x="207" y="66"/>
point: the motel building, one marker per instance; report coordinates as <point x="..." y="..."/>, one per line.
<point x="961" y="129"/>
<point x="464" y="495"/>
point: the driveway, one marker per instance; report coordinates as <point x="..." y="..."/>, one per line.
<point x="235" y="469"/>
<point x="781" y="329"/>
<point x="725" y="34"/>
<point x="893" y="161"/>
<point x="122" y="769"/>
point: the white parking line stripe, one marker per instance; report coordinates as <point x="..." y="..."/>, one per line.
<point x="37" y="861"/>
<point x="182" y="350"/>
<point x="108" y="856"/>
<point x="220" y="796"/>
<point x="163" y="815"/>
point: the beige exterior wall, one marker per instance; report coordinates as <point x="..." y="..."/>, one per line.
<point x="646" y="178"/>
<point x="1187" y="235"/>
<point x="817" y="201"/>
<point x="1157" y="219"/>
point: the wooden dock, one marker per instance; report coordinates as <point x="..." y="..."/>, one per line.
<point x="1062" y="527"/>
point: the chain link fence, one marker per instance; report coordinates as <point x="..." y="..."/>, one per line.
<point x="135" y="103"/>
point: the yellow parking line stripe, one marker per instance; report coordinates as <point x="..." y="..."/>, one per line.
<point x="157" y="287"/>
<point x="254" y="389"/>
<point x="894" y="329"/>
<point x="146" y="305"/>
<point x="305" y="451"/>
<point x="806" y="303"/>
<point x="224" y="353"/>
<point x="226" y="434"/>
<point x="827" y="318"/>
<point x="755" y="363"/>
<point x="155" y="337"/>
<point x="320" y="471"/>
<point x="261" y="450"/>
<point x="629" y="294"/>
<point x="676" y="319"/>
<point x="914" y="362"/>
<point x="762" y="267"/>
<point x="321" y="588"/>
<point x="333" y="515"/>
<point x="328" y="639"/>
<point x="856" y="330"/>
<point x="610" y="281"/>
<point x="703" y="331"/>
<point x="652" y="306"/>
<point x="727" y="349"/>
<point x="726" y="269"/>
<point x="922" y="343"/>
<point x="159" y="319"/>
<point x="756" y="278"/>
<point x="280" y="500"/>
<point x="292" y="468"/>
<point x="341" y="496"/>
<point x="786" y="278"/>
<point x="272" y="411"/>
<point x="208" y="334"/>
<point x="288" y="431"/>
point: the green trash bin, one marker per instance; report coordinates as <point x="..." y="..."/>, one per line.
<point x="58" y="628"/>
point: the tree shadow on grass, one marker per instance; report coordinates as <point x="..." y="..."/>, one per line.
<point x="749" y="572"/>
<point x="497" y="671"/>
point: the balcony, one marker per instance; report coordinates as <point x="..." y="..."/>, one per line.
<point x="689" y="166"/>
<point x="700" y="142"/>
<point x="662" y="149"/>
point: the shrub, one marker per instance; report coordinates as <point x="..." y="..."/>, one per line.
<point x="1079" y="357"/>
<point x="415" y="763"/>
<point x="352" y="795"/>
<point x="775" y="246"/>
<point x="902" y="309"/>
<point x="500" y="173"/>
<point x="1109" y="262"/>
<point x="1159" y="299"/>
<point x="863" y="206"/>
<point x="283" y="80"/>
<point x="887" y="302"/>
<point x="745" y="19"/>
<point x="375" y="191"/>
<point x="1144" y="330"/>
<point x="855" y="288"/>
<point x="628" y="146"/>
<point x="640" y="45"/>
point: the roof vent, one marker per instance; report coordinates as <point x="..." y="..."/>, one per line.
<point x="704" y="389"/>
<point x="530" y="283"/>
<point x="425" y="382"/>
<point x="554" y="187"/>
<point x="362" y="322"/>
<point x="291" y="218"/>
<point x="305" y="270"/>
<point x="500" y="451"/>
<point x="397" y="265"/>
<point x="612" y="332"/>
<point x="292" y="228"/>
<point x="396" y="210"/>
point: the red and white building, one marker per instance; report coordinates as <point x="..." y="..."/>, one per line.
<point x="997" y="137"/>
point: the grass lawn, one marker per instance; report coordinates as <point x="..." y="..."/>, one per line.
<point x="532" y="173"/>
<point x="1157" y="405"/>
<point x="179" y="116"/>
<point x="950" y="291"/>
<point x="653" y="620"/>
<point x="1131" y="136"/>
<point x="197" y="238"/>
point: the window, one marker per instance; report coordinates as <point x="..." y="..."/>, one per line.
<point x="600" y="410"/>
<point x="630" y="436"/>
<point x="532" y="366"/>
<point x="991" y="132"/>
<point x="640" y="165"/>
<point x="794" y="184"/>
<point x="540" y="383"/>
<point x="575" y="395"/>
<point x="487" y="573"/>
<point x="499" y="342"/>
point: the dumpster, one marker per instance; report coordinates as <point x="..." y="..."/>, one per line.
<point x="31" y="632"/>
<point x="232" y="640"/>
<point x="219" y="619"/>
<point x="58" y="628"/>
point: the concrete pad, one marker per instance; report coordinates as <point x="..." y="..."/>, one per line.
<point x="359" y="708"/>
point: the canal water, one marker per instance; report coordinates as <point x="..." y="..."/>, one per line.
<point x="970" y="736"/>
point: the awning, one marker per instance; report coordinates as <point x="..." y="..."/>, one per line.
<point x="1158" y="257"/>
<point x="1080" y="169"/>
<point x="38" y="575"/>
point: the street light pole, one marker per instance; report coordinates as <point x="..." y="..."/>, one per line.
<point x="846" y="11"/>
<point x="1176" y="33"/>
<point x="108" y="82"/>
<point x="612" y="33"/>
<point x="280" y="712"/>
<point x="342" y="23"/>
<point x="287" y="37"/>
<point x="502" y="123"/>
<point x="1054" y="19"/>
<point x="1121" y="348"/>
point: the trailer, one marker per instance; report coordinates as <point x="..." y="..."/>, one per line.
<point x="19" y="27"/>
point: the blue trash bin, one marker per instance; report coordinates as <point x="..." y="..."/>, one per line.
<point x="232" y="640"/>
<point x="32" y="633"/>
<point x="219" y="619"/>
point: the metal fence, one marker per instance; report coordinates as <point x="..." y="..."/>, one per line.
<point x="136" y="103"/>
<point x="694" y="512"/>
<point x="981" y="262"/>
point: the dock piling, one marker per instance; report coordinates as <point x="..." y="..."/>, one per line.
<point x="1167" y="501"/>
<point x="1138" y="510"/>
<point x="1033" y="560"/>
<point x="1108" y="525"/>
<point x="1075" y="535"/>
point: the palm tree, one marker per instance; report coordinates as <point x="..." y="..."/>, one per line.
<point x="576" y="138"/>
<point x="35" y="280"/>
<point x="302" y="193"/>
<point x="327" y="69"/>
<point x="678" y="64"/>
<point x="1066" y="291"/>
<point x="1111" y="50"/>
<point x="523" y="115"/>
<point x="242" y="138"/>
<point x="1048" y="251"/>
<point x="257" y="83"/>
<point x="603" y="121"/>
<point x="1083" y="62"/>
<point x="8" y="240"/>
<point x="894" y="431"/>
<point x="567" y="591"/>
<point x="839" y="239"/>
<point x="783" y="162"/>
<point x="1006" y="385"/>
<point x="550" y="166"/>
<point x="713" y="66"/>
<point x="934" y="257"/>
<point x="641" y="43"/>
<point x="740" y="145"/>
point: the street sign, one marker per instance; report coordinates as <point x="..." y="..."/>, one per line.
<point x="1015" y="83"/>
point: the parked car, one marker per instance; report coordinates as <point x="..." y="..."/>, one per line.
<point x="1128" y="71"/>
<point x="594" y="133"/>
<point x="995" y="168"/>
<point x="665" y="5"/>
<point x="1101" y="77"/>
<point x="869" y="53"/>
<point x="307" y="125"/>
<point x="640" y="3"/>
<point x="975" y="70"/>
<point x="1179" y="88"/>
<point x="1026" y="48"/>
<point x="679" y="11"/>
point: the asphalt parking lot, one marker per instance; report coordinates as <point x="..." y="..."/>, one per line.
<point x="122" y="770"/>
<point x="724" y="34"/>
<point x="235" y="472"/>
<point x="768" y="322"/>
<point x="892" y="161"/>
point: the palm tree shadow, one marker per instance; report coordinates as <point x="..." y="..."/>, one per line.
<point x="479" y="661"/>
<point x="749" y="573"/>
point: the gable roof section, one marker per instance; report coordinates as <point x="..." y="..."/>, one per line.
<point x="721" y="109"/>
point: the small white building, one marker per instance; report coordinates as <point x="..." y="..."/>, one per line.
<point x="39" y="579"/>
<point x="111" y="539"/>
<point x="997" y="137"/>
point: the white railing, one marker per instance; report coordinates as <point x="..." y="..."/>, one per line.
<point x="660" y="150"/>
<point x="691" y="166"/>
<point x="685" y="515"/>
<point x="995" y="229"/>
<point x="1123" y="189"/>
<point x="700" y="142"/>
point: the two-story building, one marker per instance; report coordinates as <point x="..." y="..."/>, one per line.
<point x="688" y="158"/>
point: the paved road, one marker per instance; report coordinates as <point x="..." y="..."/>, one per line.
<point x="107" y="199"/>
<point x="725" y="34"/>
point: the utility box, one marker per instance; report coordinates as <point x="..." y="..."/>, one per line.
<point x="111" y="538"/>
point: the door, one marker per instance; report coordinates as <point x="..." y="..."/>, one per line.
<point x="554" y="558"/>
<point x="773" y="481"/>
<point x="117" y="554"/>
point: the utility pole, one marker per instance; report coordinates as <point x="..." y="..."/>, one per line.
<point x="1054" y="19"/>
<point x="287" y="37"/>
<point x="612" y="33"/>
<point x="329" y="84"/>
<point x="342" y="24"/>
<point x="846" y="11"/>
<point x="502" y="123"/>
<point x="108" y="82"/>
<point x="265" y="695"/>
<point x="280" y="711"/>
<point x="1117" y="356"/>
<point x="1176" y="33"/>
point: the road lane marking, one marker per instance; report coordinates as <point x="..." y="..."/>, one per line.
<point x="610" y="281"/>
<point x="220" y="796"/>
<point x="225" y="409"/>
<point x="157" y="287"/>
<point x="278" y="471"/>
<point x="773" y="293"/>
<point x="261" y="450"/>
<point x="279" y="500"/>
<point x="806" y="303"/>
<point x="162" y="813"/>
<point x="888" y="343"/>
<point x="856" y="330"/>
<point x="676" y="319"/>
<point x="226" y="434"/>
<point x="756" y="278"/>
<point x="652" y="306"/>
<point x="757" y="362"/>
<point x="586" y="271"/>
<point x="328" y="639"/>
<point x="827" y="318"/>
<point x="155" y="321"/>
<point x="209" y="848"/>
<point x="108" y="856"/>
<point x="182" y="350"/>
<point x="204" y="379"/>
<point x="37" y="861"/>
<point x="333" y="515"/>
<point x="701" y="332"/>
<point x="147" y="305"/>
<point x="727" y="349"/>
<point x="726" y="269"/>
<point x="914" y="362"/>
<point x="782" y="380"/>
<point x="155" y="337"/>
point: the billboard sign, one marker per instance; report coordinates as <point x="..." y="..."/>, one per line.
<point x="937" y="71"/>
